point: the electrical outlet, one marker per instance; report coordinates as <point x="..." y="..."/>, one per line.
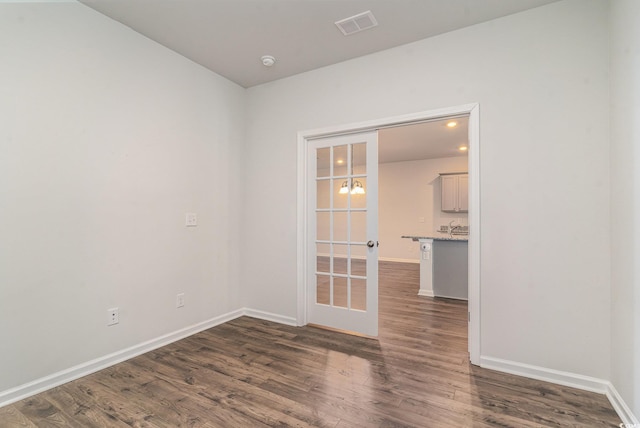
<point x="191" y="219"/>
<point x="112" y="316"/>
<point x="180" y="300"/>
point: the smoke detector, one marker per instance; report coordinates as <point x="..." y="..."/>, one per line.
<point x="268" y="60"/>
<point x="357" y="23"/>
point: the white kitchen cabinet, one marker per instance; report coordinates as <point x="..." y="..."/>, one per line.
<point x="455" y="192"/>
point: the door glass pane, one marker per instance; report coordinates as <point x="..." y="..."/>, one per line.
<point x="322" y="258"/>
<point x="359" y="193"/>
<point x="340" y="200"/>
<point x="358" y="226"/>
<point x="340" y="291"/>
<point x="323" y="162"/>
<point x="322" y="289"/>
<point x="358" y="294"/>
<point x="340" y="226"/>
<point x="359" y="157"/>
<point x="359" y="260"/>
<point x="323" y="193"/>
<point x="340" y="161"/>
<point x="340" y="258"/>
<point x="339" y="223"/>
<point x="323" y="226"/>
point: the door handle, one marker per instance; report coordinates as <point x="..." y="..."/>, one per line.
<point x="370" y="244"/>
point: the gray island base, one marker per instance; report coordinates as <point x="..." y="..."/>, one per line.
<point x="444" y="266"/>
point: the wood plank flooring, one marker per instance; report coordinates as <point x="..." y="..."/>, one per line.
<point x="253" y="373"/>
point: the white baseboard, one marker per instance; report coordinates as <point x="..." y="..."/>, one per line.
<point x="268" y="316"/>
<point x="573" y="380"/>
<point x="51" y="381"/>
<point x="451" y="297"/>
<point x="426" y="293"/>
<point x="555" y="376"/>
<point x="621" y="408"/>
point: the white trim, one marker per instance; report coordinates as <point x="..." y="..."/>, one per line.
<point x="268" y="316"/>
<point x="520" y="369"/>
<point x="426" y="267"/>
<point x="473" y="290"/>
<point x="473" y="110"/>
<point x="450" y="297"/>
<point x="573" y="380"/>
<point x="619" y="405"/>
<point x="393" y="259"/>
<point x="369" y="125"/>
<point x="301" y="262"/>
<point x="47" y="382"/>
<point x="84" y="369"/>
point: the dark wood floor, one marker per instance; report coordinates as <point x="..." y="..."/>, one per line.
<point x="253" y="373"/>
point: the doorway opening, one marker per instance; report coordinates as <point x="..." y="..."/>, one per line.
<point x="304" y="267"/>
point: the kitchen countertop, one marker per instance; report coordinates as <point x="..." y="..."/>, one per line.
<point x="439" y="237"/>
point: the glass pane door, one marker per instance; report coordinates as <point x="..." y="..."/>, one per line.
<point x="342" y="273"/>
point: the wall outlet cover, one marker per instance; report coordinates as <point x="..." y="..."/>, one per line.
<point x="113" y="316"/>
<point x="191" y="219"/>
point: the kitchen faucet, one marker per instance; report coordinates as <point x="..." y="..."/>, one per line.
<point x="452" y="228"/>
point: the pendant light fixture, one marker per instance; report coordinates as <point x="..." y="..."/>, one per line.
<point x="356" y="186"/>
<point x="356" y="189"/>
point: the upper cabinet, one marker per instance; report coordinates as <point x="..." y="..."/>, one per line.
<point x="455" y="192"/>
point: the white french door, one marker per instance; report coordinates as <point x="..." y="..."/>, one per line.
<point x="342" y="217"/>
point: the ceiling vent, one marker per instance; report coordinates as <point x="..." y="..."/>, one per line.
<point x="356" y="23"/>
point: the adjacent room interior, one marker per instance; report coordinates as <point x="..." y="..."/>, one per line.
<point x="423" y="179"/>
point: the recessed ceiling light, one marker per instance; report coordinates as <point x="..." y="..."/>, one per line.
<point x="268" y="60"/>
<point x="463" y="148"/>
<point x="339" y="161"/>
<point x="452" y="124"/>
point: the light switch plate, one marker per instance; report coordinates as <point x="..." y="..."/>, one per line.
<point x="191" y="219"/>
<point x="179" y="300"/>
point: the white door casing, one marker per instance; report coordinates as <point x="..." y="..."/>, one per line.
<point x="342" y="229"/>
<point x="305" y="138"/>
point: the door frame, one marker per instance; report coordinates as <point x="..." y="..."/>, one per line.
<point x="473" y="111"/>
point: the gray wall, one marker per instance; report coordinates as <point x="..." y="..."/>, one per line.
<point x="541" y="80"/>
<point x="106" y="140"/>
<point x="625" y="200"/>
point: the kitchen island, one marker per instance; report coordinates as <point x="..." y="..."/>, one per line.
<point x="444" y="267"/>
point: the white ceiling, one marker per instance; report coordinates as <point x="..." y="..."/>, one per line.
<point x="229" y="36"/>
<point x="428" y="140"/>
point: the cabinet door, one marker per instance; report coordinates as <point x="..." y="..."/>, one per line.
<point x="463" y="193"/>
<point x="449" y="188"/>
